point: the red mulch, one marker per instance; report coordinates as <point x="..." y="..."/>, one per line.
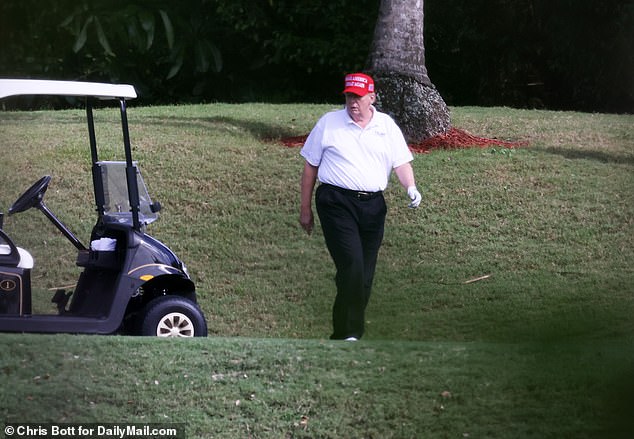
<point x="452" y="139"/>
<point x="294" y="141"/>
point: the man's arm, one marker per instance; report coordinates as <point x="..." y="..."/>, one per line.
<point x="306" y="218"/>
<point x="405" y="174"/>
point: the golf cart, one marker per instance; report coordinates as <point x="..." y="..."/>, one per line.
<point x="130" y="283"/>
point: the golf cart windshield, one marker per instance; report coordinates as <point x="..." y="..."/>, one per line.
<point x="116" y="199"/>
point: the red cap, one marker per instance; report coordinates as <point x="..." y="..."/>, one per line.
<point x="359" y="84"/>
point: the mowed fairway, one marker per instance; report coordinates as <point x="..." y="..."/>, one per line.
<point x="539" y="346"/>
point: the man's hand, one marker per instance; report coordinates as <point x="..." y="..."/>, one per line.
<point x="405" y="175"/>
<point x="415" y="196"/>
<point x="306" y="220"/>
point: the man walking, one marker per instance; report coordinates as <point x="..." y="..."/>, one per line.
<point x="352" y="153"/>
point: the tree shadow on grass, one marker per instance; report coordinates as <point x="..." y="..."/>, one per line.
<point x="579" y="154"/>
<point x="262" y="131"/>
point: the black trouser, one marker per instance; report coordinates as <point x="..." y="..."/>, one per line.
<point x="352" y="223"/>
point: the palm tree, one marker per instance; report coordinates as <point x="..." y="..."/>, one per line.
<point x="397" y="63"/>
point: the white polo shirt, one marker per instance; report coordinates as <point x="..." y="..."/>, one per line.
<point x="356" y="158"/>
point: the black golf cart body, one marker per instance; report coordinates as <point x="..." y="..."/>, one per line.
<point x="130" y="282"/>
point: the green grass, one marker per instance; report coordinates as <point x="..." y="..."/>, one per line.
<point x="239" y="387"/>
<point x="540" y="348"/>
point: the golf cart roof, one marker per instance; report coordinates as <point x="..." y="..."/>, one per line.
<point x="16" y="87"/>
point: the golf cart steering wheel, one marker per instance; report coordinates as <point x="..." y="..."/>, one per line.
<point x="32" y="197"/>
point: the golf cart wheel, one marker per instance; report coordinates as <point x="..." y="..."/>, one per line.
<point x="173" y="316"/>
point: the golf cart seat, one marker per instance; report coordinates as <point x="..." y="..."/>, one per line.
<point x="25" y="260"/>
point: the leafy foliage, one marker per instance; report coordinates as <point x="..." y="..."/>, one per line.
<point x="523" y="53"/>
<point x="121" y="41"/>
<point x="533" y="53"/>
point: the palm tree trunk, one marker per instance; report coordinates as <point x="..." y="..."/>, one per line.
<point x="397" y="63"/>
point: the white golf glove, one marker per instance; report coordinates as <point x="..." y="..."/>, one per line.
<point x="415" y="196"/>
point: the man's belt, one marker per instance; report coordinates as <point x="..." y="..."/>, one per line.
<point x="359" y="195"/>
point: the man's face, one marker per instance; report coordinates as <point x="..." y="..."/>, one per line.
<point x="359" y="106"/>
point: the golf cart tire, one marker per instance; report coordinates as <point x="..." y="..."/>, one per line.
<point x="173" y="316"/>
